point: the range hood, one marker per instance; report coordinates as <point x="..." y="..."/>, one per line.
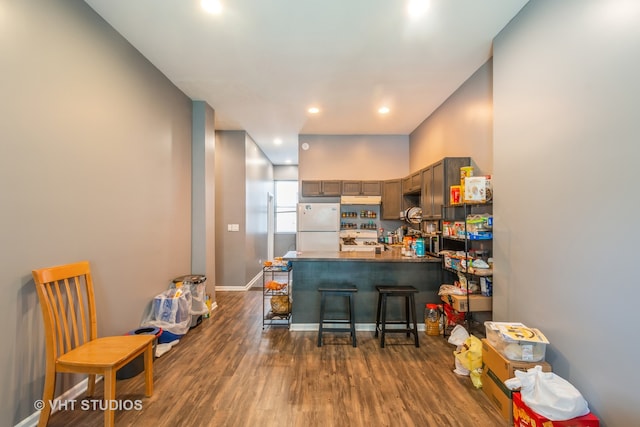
<point x="360" y="200"/>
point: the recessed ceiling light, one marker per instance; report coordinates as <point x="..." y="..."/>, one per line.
<point x="383" y="110"/>
<point x="417" y="8"/>
<point x="313" y="110"/>
<point x="288" y="161"/>
<point x="277" y="141"/>
<point x="212" y="6"/>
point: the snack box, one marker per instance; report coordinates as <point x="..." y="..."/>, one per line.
<point x="477" y="189"/>
<point x="517" y="341"/>
<point x="523" y="416"/>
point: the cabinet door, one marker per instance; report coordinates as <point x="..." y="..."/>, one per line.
<point x="416" y="181"/>
<point x="451" y="175"/>
<point x="427" y="193"/>
<point x="406" y="185"/>
<point x="331" y="188"/>
<point x="391" y="199"/>
<point x="371" y="188"/>
<point x="311" y="188"/>
<point x="351" y="188"/>
<point x="438" y="189"/>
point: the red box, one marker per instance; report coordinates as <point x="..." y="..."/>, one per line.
<point x="523" y="416"/>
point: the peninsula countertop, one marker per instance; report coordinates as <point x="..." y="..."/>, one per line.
<point x="364" y="256"/>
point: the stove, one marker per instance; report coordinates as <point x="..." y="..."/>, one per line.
<point x="359" y="240"/>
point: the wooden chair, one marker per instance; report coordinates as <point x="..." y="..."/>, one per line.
<point x="72" y="345"/>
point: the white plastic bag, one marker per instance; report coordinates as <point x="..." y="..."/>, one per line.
<point x="458" y="336"/>
<point x="548" y="394"/>
<point x="171" y="311"/>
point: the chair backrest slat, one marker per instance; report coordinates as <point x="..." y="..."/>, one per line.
<point x="83" y="317"/>
<point x="68" y="307"/>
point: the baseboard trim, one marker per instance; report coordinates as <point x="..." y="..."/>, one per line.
<point x="246" y="287"/>
<point x="72" y="394"/>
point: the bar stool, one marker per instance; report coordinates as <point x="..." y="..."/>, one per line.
<point x="337" y="292"/>
<point x="407" y="292"/>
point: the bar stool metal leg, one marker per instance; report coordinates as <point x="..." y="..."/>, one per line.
<point x="320" y="327"/>
<point x="415" y="319"/>
<point x="352" y="317"/>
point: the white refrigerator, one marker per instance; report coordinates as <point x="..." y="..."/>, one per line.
<point x="318" y="227"/>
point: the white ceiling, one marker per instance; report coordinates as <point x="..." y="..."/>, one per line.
<point x="261" y="63"/>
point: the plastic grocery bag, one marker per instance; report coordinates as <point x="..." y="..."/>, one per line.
<point x="458" y="337"/>
<point x="171" y="311"/>
<point x="548" y="394"/>
<point x="469" y="355"/>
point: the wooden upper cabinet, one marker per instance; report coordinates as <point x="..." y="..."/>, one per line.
<point x="371" y="188"/>
<point x="437" y="180"/>
<point x="331" y="188"/>
<point x="412" y="184"/>
<point x="361" y="188"/>
<point x="321" y="188"/>
<point x="391" y="199"/>
<point x="351" y="188"/>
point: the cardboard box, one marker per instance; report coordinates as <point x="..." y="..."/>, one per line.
<point x="498" y="394"/>
<point x="502" y="367"/>
<point x="517" y="341"/>
<point x="477" y="302"/>
<point x="523" y="416"/>
<point x="495" y="371"/>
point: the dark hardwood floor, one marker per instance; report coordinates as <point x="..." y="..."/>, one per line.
<point x="230" y="372"/>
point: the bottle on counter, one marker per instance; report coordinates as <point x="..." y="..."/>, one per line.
<point x="420" y="247"/>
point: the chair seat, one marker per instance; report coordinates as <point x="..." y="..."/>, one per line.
<point x="337" y="290"/>
<point x="106" y="352"/>
<point x="396" y="289"/>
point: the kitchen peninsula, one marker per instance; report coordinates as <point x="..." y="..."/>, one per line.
<point x="364" y="270"/>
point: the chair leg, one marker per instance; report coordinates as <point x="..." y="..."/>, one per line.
<point x="415" y="320"/>
<point x="148" y="370"/>
<point x="322" y="303"/>
<point x="378" y="315"/>
<point x="91" y="385"/>
<point x="383" y="324"/>
<point x="109" y="397"/>
<point x="407" y="311"/>
<point x="352" y="312"/>
<point x="47" y="395"/>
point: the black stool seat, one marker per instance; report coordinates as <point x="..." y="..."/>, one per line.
<point x="347" y="292"/>
<point x="410" y="322"/>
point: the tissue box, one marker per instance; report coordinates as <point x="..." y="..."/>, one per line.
<point x="523" y="416"/>
<point x="516" y="341"/>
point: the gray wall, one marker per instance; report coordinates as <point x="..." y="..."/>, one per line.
<point x="359" y="157"/>
<point x="566" y="150"/>
<point x="461" y="127"/>
<point x="95" y="163"/>
<point x="203" y="233"/>
<point x="244" y="176"/>
<point x="259" y="182"/>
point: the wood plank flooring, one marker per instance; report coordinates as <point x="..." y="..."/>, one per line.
<point x="230" y="372"/>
